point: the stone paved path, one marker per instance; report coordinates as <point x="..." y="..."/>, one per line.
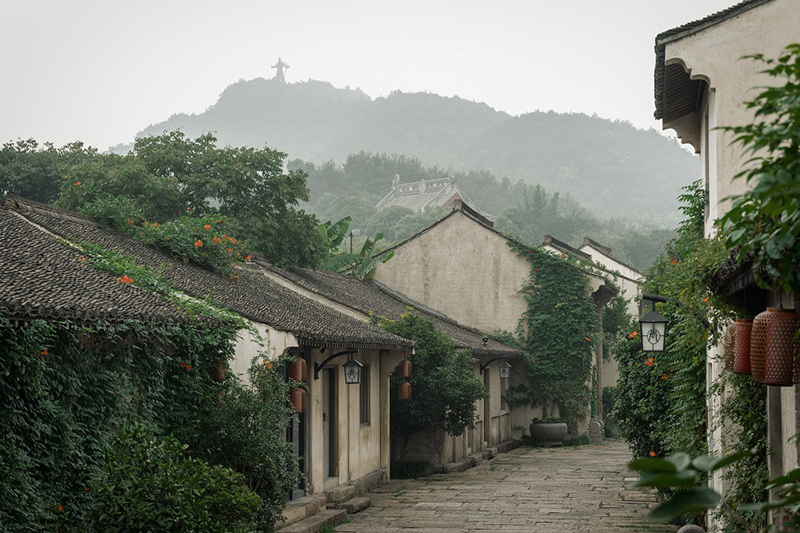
<point x="565" y="490"/>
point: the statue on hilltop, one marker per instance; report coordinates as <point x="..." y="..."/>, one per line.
<point x="281" y="69"/>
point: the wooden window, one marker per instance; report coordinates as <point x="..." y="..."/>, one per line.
<point x="364" y="396"/>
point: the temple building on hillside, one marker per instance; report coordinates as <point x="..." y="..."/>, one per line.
<point x="423" y="195"/>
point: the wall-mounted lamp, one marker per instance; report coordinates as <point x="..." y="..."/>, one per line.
<point x="504" y="367"/>
<point x="352" y="368"/>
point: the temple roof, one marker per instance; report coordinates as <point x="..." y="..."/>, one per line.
<point x="427" y="194"/>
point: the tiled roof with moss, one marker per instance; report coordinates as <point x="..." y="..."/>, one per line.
<point x="367" y="296"/>
<point x="42" y="277"/>
<point x="253" y="296"/>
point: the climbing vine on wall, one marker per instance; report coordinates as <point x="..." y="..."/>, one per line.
<point x="557" y="333"/>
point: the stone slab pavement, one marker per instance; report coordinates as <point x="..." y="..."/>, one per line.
<point x="567" y="490"/>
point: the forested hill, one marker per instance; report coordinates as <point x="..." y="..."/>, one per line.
<point x="608" y="166"/>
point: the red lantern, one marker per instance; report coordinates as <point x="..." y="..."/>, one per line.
<point x="405" y="390"/>
<point x="729" y="348"/>
<point x="299" y="370"/>
<point x="298" y="397"/>
<point x="758" y="343"/>
<point x="218" y="371"/>
<point x="404" y="368"/>
<point x="741" y="360"/>
<point x="781" y="349"/>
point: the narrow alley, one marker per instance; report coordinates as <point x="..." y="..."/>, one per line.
<point x="569" y="490"/>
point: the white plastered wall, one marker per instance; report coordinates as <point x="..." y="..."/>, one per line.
<point x="464" y="270"/>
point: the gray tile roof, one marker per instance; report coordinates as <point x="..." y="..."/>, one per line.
<point x="367" y="296"/>
<point x="43" y="277"/>
<point x="254" y="296"/>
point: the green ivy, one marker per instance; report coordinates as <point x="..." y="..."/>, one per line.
<point x="557" y="333"/>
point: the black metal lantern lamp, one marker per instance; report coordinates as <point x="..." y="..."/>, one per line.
<point x="352" y="368"/>
<point x="653" y="330"/>
<point x="504" y="367"/>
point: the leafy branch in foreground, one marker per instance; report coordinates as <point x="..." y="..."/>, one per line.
<point x="680" y="471"/>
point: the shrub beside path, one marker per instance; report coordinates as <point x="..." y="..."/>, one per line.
<point x="566" y="490"/>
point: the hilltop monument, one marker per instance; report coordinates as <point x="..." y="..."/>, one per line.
<point x="281" y="69"/>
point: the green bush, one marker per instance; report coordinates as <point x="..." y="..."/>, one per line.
<point x="246" y="432"/>
<point x="150" y="484"/>
<point x="444" y="387"/>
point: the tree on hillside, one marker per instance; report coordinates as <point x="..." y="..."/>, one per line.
<point x="540" y="214"/>
<point x="169" y="175"/>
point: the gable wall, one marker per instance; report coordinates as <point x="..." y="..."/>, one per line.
<point x="714" y="55"/>
<point x="463" y="269"/>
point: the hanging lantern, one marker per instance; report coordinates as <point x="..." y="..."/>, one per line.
<point x="299" y="370"/>
<point x="505" y="370"/>
<point x="654" y="328"/>
<point x="404" y="368"/>
<point x="729" y="347"/>
<point x="741" y="358"/>
<point x="405" y="390"/>
<point x="781" y="348"/>
<point x="352" y="371"/>
<point x="298" y="398"/>
<point x="758" y="343"/>
<point x="218" y="371"/>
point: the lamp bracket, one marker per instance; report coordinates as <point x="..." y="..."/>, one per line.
<point x="662" y="299"/>
<point x="490" y="361"/>
<point x="320" y="366"/>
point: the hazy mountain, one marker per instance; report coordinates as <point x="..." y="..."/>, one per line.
<point x="608" y="166"/>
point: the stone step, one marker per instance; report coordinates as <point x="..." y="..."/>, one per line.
<point x="341" y="494"/>
<point x="314" y="524"/>
<point x="302" y="508"/>
<point x="353" y="505"/>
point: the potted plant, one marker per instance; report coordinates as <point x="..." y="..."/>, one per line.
<point x="548" y="431"/>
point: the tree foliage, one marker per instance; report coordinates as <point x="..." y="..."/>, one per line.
<point x="169" y="176"/>
<point x="444" y="387"/>
<point x="35" y="171"/>
<point x="522" y="209"/>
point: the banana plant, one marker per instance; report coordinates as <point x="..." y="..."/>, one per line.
<point x="359" y="264"/>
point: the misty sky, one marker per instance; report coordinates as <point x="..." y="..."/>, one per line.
<point x="99" y="71"/>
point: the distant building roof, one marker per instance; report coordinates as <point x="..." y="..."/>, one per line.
<point x="564" y="248"/>
<point x="587" y="241"/>
<point x="427" y="194"/>
<point x="253" y="296"/>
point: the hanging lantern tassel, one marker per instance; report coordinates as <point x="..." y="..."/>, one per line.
<point x="741" y="358"/>
<point x="781" y="348"/>
<point x="298" y="397"/>
<point x="405" y="390"/>
<point x="404" y="368"/>
<point x="299" y="370"/>
<point x="729" y="347"/>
